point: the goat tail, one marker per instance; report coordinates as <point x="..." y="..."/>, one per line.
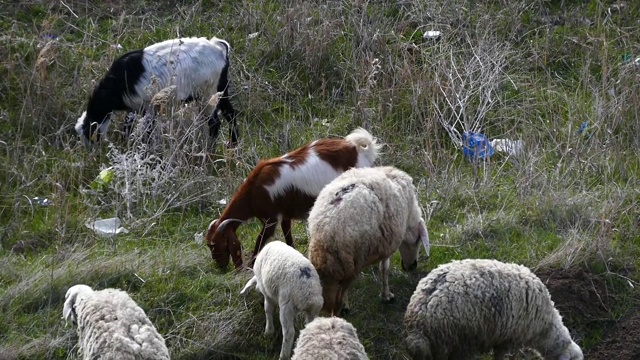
<point x="224" y="44"/>
<point x="250" y="285"/>
<point x="365" y="142"/>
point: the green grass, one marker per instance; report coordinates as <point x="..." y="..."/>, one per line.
<point x="526" y="70"/>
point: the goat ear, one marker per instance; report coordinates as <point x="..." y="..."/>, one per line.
<point x="235" y="249"/>
<point x="424" y="237"/>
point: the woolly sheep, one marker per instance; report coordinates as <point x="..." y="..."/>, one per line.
<point x="198" y="67"/>
<point x="359" y="219"/>
<point x="464" y="308"/>
<point x="287" y="278"/>
<point x="110" y="326"/>
<point x="329" y="338"/>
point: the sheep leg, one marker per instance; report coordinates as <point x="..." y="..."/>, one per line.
<point x="286" y="230"/>
<point x="386" y="295"/>
<point x="499" y="352"/>
<point x="269" y="306"/>
<point x="343" y="298"/>
<point x="345" y="302"/>
<point x="331" y="296"/>
<point x="287" y="316"/>
<point x="268" y="229"/>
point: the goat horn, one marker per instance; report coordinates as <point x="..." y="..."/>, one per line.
<point x="226" y="222"/>
<point x="212" y="224"/>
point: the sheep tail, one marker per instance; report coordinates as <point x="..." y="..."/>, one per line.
<point x="365" y="142"/>
<point x="250" y="285"/>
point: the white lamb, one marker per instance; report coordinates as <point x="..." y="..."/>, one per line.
<point x="111" y="326"/>
<point x="287" y="278"/>
<point x="329" y="338"/>
<point x="359" y="219"/>
<point x="465" y="308"/>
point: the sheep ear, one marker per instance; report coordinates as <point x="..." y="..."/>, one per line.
<point x="68" y="313"/>
<point x="424" y="237"/>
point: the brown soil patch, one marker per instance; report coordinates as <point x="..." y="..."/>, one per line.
<point x="580" y="297"/>
<point x="622" y="342"/>
<point x="585" y="302"/>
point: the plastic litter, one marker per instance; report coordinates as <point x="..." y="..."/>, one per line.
<point x="103" y="179"/>
<point x="511" y="147"/>
<point x="433" y="34"/>
<point x="476" y="146"/>
<point x="107" y="227"/>
<point x="253" y="35"/>
<point x="199" y="238"/>
<point x="41" y="201"/>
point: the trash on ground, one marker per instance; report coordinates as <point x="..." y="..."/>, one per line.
<point x="41" y="201"/>
<point x="435" y="35"/>
<point x="199" y="238"/>
<point x="476" y="146"/>
<point x="511" y="147"/>
<point x="103" y="179"/>
<point x="107" y="227"/>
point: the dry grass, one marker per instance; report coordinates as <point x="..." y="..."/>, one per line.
<point x="302" y="70"/>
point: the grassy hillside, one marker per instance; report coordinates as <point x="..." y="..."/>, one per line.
<point x="536" y="71"/>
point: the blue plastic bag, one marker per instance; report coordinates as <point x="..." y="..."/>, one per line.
<point x="476" y="146"/>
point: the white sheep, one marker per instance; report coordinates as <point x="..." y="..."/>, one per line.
<point x="110" y="325"/>
<point x="198" y="67"/>
<point x="286" y="278"/>
<point x="465" y="308"/>
<point x="359" y="219"/>
<point x="329" y="338"/>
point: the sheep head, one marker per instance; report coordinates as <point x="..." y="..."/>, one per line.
<point x="70" y="298"/>
<point x="223" y="242"/>
<point x="410" y="247"/>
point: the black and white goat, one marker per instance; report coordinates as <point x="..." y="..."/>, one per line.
<point x="198" y="67"/>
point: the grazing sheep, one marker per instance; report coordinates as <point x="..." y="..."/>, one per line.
<point x="198" y="67"/>
<point x="284" y="188"/>
<point x="359" y="219"/>
<point x="329" y="338"/>
<point x="285" y="277"/>
<point x="111" y="326"/>
<point x="465" y="308"/>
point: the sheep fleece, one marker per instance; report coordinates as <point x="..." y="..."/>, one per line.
<point x="329" y="338"/>
<point x="361" y="218"/>
<point x="469" y="307"/>
<point x="112" y="326"/>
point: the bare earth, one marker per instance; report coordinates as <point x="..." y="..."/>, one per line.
<point x="586" y="299"/>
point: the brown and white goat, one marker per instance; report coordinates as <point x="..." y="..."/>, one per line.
<point x="281" y="189"/>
